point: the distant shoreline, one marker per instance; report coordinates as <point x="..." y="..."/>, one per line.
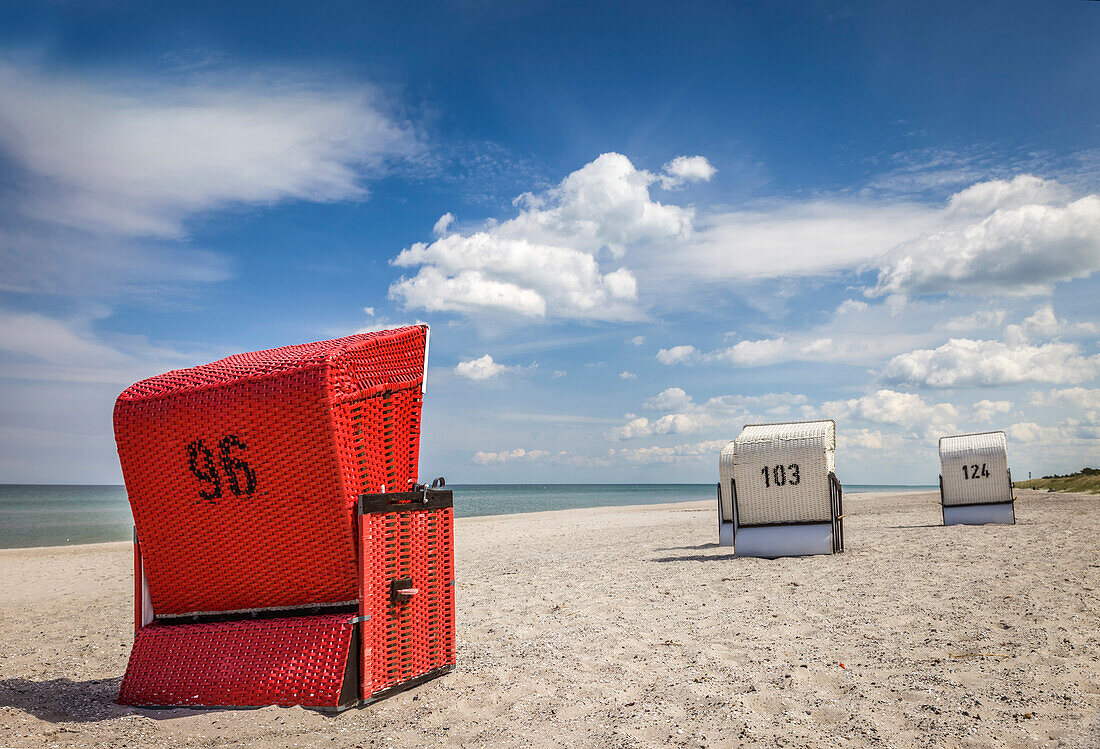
<point x="54" y="515"/>
<point x="655" y="506"/>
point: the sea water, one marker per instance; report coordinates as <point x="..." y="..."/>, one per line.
<point x="53" y="515"/>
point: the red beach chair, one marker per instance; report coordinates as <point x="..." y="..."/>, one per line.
<point x="283" y="551"/>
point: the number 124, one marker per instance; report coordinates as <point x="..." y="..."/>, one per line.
<point x="974" y="473"/>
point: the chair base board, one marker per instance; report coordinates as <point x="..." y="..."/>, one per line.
<point x="1001" y="513"/>
<point x="726" y="533"/>
<point x="784" y="540"/>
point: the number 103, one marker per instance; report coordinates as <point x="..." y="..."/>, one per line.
<point x="777" y="475"/>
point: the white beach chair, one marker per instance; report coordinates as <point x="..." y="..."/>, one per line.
<point x="975" y="483"/>
<point x="778" y="494"/>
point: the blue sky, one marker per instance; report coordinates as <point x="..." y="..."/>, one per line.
<point x="633" y="229"/>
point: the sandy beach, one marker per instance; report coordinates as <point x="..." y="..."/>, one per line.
<point x="625" y="627"/>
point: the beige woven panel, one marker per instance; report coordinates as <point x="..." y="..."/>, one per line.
<point x="974" y="468"/>
<point x="725" y="473"/>
<point x="782" y="472"/>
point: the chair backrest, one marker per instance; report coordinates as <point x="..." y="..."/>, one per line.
<point x="781" y="472"/>
<point x="243" y="474"/>
<point x="974" y="469"/>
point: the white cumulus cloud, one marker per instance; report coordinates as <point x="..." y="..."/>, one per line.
<point x="671" y="399"/>
<point x="1036" y="434"/>
<point x="443" y="224"/>
<point x="470" y="291"/>
<point x="1082" y="403"/>
<point x="676" y="454"/>
<point x="550" y="261"/>
<point x="686" y="169"/>
<point x="1045" y="324"/>
<point x="482" y="368"/>
<point x="1076" y="397"/>
<point x="907" y="410"/>
<point x="984" y="198"/>
<point x="676" y="423"/>
<point x="677" y="355"/>
<point x="987" y="410"/>
<point x="962" y="362"/>
<point x="757" y="353"/>
<point x="871" y="439"/>
<point x="1023" y="250"/>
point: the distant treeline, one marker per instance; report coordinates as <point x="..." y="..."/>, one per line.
<point x="1087" y="481"/>
<point x="1082" y="472"/>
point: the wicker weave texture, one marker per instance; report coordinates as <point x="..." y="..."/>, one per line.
<point x="243" y="474"/>
<point x="797" y="457"/>
<point x="408" y="637"/>
<point x="974" y="468"/>
<point x="725" y="474"/>
<point x="292" y="661"/>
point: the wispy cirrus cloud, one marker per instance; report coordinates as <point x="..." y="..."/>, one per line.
<point x="137" y="157"/>
<point x="785" y="238"/>
<point x="106" y="171"/>
<point x="482" y="457"/>
<point x="980" y="320"/>
<point x="35" y="347"/>
<point x="853" y="333"/>
<point x="684" y="453"/>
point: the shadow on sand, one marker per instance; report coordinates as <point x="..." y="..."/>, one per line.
<point x="64" y="700"/>
<point x="698" y="557"/>
<point x="689" y="548"/>
<point x="67" y="701"/>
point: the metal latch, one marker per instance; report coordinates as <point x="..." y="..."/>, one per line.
<point x="402" y="589"/>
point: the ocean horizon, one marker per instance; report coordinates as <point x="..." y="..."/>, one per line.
<point x="68" y="514"/>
